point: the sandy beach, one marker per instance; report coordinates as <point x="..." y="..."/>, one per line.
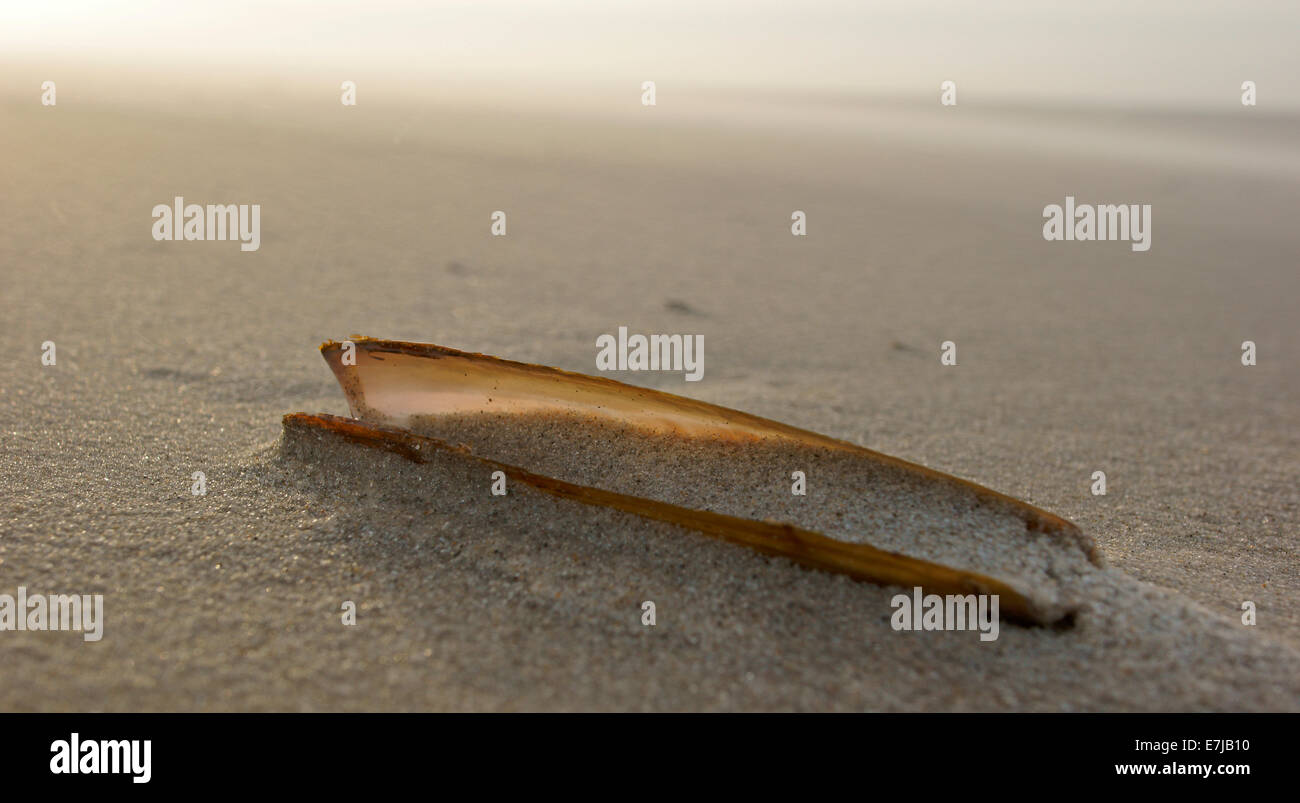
<point x="922" y="227"/>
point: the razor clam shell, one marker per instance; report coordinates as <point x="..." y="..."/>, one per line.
<point x="607" y="437"/>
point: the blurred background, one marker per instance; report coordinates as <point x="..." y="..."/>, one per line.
<point x="1160" y="54"/>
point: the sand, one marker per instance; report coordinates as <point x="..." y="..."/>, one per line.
<point x="847" y="496"/>
<point x="181" y="357"/>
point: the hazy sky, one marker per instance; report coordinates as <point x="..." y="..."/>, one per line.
<point x="1145" y="52"/>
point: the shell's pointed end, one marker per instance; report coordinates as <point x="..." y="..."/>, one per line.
<point x="332" y="344"/>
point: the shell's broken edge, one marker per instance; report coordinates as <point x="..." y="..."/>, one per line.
<point x="805" y="547"/>
<point x="447" y="380"/>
